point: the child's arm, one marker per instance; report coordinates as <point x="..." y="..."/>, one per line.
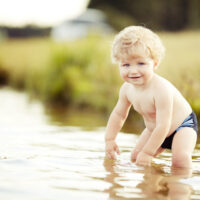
<point x="164" y="108"/>
<point x="115" y="122"/>
<point x="140" y="144"/>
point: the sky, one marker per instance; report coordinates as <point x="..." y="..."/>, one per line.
<point x="39" y="12"/>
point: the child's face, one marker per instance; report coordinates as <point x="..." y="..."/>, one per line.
<point x="137" y="70"/>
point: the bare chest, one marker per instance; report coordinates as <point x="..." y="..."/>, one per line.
<point x="143" y="103"/>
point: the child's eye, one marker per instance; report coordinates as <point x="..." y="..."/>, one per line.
<point x="141" y="63"/>
<point x="126" y="65"/>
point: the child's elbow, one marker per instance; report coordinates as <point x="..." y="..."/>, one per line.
<point x="164" y="127"/>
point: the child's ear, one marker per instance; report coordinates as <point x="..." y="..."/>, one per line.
<point x="155" y="64"/>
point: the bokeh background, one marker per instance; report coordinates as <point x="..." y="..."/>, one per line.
<point x="59" y="52"/>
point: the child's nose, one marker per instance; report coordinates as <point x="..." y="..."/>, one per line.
<point x="133" y="70"/>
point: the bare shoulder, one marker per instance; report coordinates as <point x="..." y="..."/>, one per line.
<point x="163" y="93"/>
<point x="163" y="87"/>
<point x="123" y="103"/>
<point x="124" y="89"/>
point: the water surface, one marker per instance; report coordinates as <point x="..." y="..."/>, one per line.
<point x="42" y="160"/>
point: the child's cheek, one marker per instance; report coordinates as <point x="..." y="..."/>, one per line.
<point x="123" y="74"/>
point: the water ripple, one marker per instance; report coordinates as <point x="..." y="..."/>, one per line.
<point x="43" y="161"/>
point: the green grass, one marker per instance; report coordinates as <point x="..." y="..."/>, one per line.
<point x="80" y="73"/>
<point x="181" y="64"/>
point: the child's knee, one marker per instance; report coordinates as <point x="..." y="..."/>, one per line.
<point x="182" y="160"/>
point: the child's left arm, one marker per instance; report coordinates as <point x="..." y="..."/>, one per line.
<point x="164" y="108"/>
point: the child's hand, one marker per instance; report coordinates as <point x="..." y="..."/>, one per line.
<point x="143" y="159"/>
<point x="111" y="148"/>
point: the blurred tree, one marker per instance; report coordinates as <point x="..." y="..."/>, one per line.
<point x="26" y="31"/>
<point x="175" y="14"/>
<point x="194" y="14"/>
<point x="163" y="15"/>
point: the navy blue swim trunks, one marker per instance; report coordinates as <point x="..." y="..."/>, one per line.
<point x="190" y="121"/>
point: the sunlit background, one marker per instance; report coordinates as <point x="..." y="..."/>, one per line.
<point x="59" y="51"/>
<point x="58" y="87"/>
<point x="39" y="12"/>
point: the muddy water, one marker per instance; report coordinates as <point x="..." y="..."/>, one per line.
<point x="41" y="160"/>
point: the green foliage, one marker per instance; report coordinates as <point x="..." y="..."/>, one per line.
<point x="170" y="15"/>
<point x="80" y="73"/>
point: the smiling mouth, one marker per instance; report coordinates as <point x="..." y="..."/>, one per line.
<point x="135" y="77"/>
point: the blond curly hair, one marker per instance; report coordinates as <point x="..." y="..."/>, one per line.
<point x="137" y="41"/>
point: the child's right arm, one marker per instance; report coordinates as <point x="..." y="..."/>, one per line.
<point x="140" y="144"/>
<point x="115" y="122"/>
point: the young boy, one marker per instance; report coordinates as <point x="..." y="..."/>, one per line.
<point x="169" y="120"/>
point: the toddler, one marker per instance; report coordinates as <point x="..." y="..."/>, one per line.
<point x="169" y="120"/>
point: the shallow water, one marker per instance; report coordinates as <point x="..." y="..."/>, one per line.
<point x="40" y="160"/>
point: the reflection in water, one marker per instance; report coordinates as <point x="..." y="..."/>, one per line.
<point x="40" y="160"/>
<point x="156" y="184"/>
<point x="110" y="178"/>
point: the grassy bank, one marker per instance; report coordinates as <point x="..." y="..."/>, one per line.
<point x="80" y="73"/>
<point x="73" y="73"/>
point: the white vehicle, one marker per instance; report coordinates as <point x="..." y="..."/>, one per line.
<point x="91" y="20"/>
